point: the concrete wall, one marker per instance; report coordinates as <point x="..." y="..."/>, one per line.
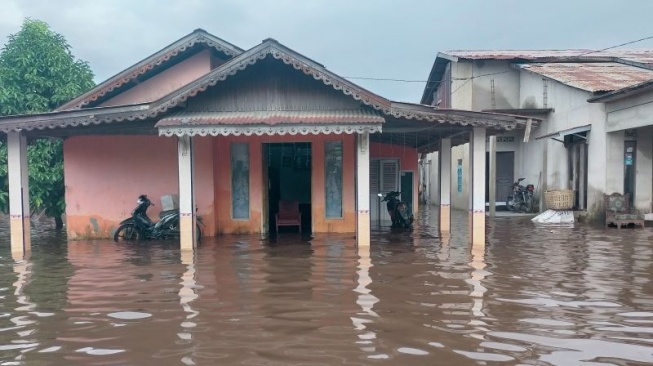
<point x="460" y="199"/>
<point x="506" y="85"/>
<point x="644" y="168"/>
<point x="165" y="82"/>
<point x="571" y="110"/>
<point x="544" y="162"/>
<point x="104" y="175"/>
<point x="476" y="94"/>
<point x="633" y="113"/>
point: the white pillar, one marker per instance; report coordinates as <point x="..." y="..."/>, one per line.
<point x="18" y="193"/>
<point x="493" y="176"/>
<point x="477" y="185"/>
<point x="187" y="215"/>
<point x="444" y="164"/>
<point x="363" y="189"/>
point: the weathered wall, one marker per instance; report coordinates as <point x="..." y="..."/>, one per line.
<point x="630" y="112"/>
<point x="506" y="85"/>
<point x="104" y="175"/>
<point x="476" y="95"/>
<point x="635" y="112"/>
<point x="644" y="175"/>
<point x="571" y="110"/>
<point x="460" y="198"/>
<point x="461" y="90"/>
<point x="165" y="82"/>
<point x="605" y="140"/>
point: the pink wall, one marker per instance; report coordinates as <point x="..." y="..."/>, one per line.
<point x="408" y="160"/>
<point x="165" y="82"/>
<point x="105" y="174"/>
<point x="222" y="170"/>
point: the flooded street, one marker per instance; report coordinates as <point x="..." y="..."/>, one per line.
<point x="531" y="296"/>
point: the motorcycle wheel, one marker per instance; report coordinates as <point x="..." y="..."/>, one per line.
<point x="528" y="204"/>
<point x="509" y="204"/>
<point x="126" y="233"/>
<point x="174" y="228"/>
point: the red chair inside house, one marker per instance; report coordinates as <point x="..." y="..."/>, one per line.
<point x="289" y="215"/>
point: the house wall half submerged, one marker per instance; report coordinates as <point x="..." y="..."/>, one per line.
<point x="104" y="175"/>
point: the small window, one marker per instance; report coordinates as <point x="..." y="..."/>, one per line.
<point x="333" y="178"/>
<point x="459" y="171"/>
<point x="240" y="180"/>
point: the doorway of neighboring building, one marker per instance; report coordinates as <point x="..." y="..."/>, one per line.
<point x="406" y="187"/>
<point x="630" y="162"/>
<point x="505" y="176"/>
<point x="287" y="174"/>
<point x="576" y="145"/>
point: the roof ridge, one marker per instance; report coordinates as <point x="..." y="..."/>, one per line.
<point x="154" y="60"/>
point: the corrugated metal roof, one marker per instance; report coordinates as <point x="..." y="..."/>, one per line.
<point x="644" y="56"/>
<point x="270" y="117"/>
<point x="594" y="77"/>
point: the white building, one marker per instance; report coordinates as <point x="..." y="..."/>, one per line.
<point x="596" y="134"/>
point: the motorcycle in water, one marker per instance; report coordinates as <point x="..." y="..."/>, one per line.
<point x="140" y="227"/>
<point x="398" y="210"/>
<point x="521" y="199"/>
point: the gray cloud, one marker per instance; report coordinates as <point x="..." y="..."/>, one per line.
<point x="369" y="38"/>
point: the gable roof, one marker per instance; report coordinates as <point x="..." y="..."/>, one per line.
<point x="593" y="76"/>
<point x="638" y="58"/>
<point x="268" y="48"/>
<point x="170" y="52"/>
<point x="272" y="48"/>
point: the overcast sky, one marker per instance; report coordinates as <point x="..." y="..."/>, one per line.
<point x="354" y="38"/>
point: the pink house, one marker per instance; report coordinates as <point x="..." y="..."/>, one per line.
<point x="233" y="132"/>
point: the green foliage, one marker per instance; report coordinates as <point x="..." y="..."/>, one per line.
<point x="38" y="73"/>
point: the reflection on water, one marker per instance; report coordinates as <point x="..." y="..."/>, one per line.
<point x="529" y="296"/>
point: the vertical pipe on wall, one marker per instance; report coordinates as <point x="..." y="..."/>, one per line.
<point x="444" y="164"/>
<point x="477" y="185"/>
<point x="363" y="189"/>
<point x="18" y="177"/>
<point x="187" y="215"/>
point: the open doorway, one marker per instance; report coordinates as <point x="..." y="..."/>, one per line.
<point x="287" y="174"/>
<point x="505" y="176"/>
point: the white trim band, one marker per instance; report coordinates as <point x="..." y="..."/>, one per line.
<point x="337" y="129"/>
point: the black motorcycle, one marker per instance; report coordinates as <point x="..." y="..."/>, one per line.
<point x="398" y="210"/>
<point x="521" y="199"/>
<point x="140" y="227"/>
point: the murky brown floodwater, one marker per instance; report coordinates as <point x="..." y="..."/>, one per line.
<point x="532" y="296"/>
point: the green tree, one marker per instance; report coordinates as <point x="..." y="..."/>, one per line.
<point x="38" y="72"/>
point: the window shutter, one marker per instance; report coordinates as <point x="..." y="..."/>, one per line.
<point x="389" y="176"/>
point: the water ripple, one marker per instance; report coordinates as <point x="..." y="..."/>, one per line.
<point x="528" y="295"/>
